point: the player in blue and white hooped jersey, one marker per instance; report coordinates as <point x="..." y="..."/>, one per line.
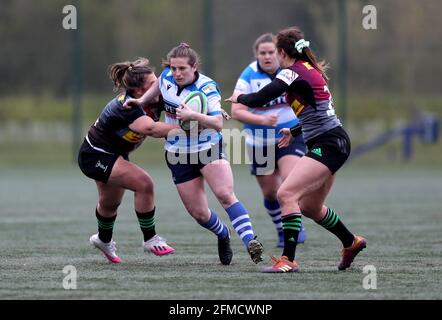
<point x="262" y="127"/>
<point x="197" y="156"/>
<point x="173" y="95"/>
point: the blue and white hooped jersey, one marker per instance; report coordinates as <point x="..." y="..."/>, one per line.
<point x="251" y="80"/>
<point x="173" y="96"/>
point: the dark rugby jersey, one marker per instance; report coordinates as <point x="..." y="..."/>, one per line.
<point x="111" y="132"/>
<point x="309" y="86"/>
<point x="307" y="94"/>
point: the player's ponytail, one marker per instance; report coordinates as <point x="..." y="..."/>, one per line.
<point x="129" y="75"/>
<point x="292" y="41"/>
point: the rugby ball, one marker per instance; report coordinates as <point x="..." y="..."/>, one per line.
<point x="196" y="101"/>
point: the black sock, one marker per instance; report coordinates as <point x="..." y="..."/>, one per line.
<point x="105" y="227"/>
<point x="291" y="224"/>
<point x="147" y="223"/>
<point x="332" y="223"/>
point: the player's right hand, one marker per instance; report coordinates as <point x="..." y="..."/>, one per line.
<point x="183" y="112"/>
<point x="270" y="120"/>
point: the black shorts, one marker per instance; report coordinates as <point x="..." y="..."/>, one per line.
<point x="95" y="164"/>
<point x="187" y="166"/>
<point x="264" y="163"/>
<point x="331" y="148"/>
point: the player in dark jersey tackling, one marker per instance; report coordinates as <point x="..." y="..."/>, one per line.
<point x="305" y="189"/>
<point x="103" y="157"/>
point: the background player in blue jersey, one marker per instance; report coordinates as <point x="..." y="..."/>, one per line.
<point x="103" y="157"/>
<point x="262" y="127"/>
<point x="308" y="184"/>
<point x="197" y="156"/>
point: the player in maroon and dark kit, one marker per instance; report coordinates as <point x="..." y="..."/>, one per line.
<point x="305" y="189"/>
<point x="104" y="157"/>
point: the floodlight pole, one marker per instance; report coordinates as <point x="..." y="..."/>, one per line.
<point x="208" y="37"/>
<point x="342" y="59"/>
<point x="76" y="66"/>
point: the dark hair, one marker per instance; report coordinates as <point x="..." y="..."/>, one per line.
<point x="264" y="38"/>
<point x="129" y="75"/>
<point x="182" y="51"/>
<point x="286" y="39"/>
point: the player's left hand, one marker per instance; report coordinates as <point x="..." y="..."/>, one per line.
<point x="131" y="102"/>
<point x="183" y="112"/>
<point x="286" y="139"/>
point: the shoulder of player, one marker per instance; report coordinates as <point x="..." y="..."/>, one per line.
<point x="252" y="72"/>
<point x="301" y="66"/>
<point x="288" y="75"/>
<point x="115" y="106"/>
<point x="116" y="103"/>
<point x="166" y="72"/>
<point x="207" y="85"/>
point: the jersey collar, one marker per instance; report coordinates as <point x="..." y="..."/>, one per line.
<point x="180" y="89"/>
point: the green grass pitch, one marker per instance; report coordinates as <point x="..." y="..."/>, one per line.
<point x="46" y="218"/>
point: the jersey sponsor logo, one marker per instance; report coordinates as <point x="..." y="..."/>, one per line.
<point x="308" y="65"/>
<point x="211" y="87"/>
<point x="169" y="108"/>
<point x="278" y="101"/>
<point x="317" y="151"/>
<point x="101" y="166"/>
<point x="132" y="136"/>
<point x="287" y="75"/>
<point x="168" y="86"/>
<point x="297" y="107"/>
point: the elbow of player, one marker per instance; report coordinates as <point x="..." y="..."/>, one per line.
<point x="150" y="130"/>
